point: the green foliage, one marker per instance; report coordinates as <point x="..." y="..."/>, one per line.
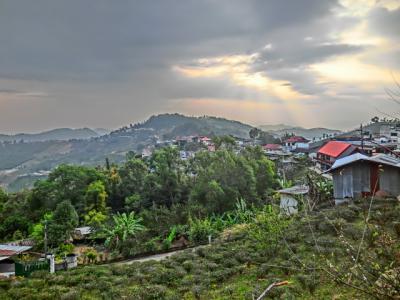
<point x="64" y="221"/>
<point x="170" y="238"/>
<point x="65" y="249"/>
<point x="268" y="228"/>
<point x="124" y="226"/>
<point x="95" y="219"/>
<point x="199" y="230"/>
<point x="96" y="197"/>
<point x="239" y="269"/>
<point x="71" y="183"/>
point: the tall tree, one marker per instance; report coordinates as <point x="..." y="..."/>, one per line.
<point x="64" y="221"/>
<point x="96" y="197"/>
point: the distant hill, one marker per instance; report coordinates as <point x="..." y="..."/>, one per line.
<point x="309" y="133"/>
<point x="59" y="134"/>
<point x="22" y="159"/>
<point x="275" y="127"/>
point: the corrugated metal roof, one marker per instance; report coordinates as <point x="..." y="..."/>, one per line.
<point x="295" y="190"/>
<point x="17" y="249"/>
<point x="9" y="250"/>
<point x="84" y="230"/>
<point x="380" y="159"/>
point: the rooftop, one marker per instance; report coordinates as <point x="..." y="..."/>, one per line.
<point x="296" y="139"/>
<point x="295" y="190"/>
<point x="383" y="159"/>
<point x="334" y="148"/>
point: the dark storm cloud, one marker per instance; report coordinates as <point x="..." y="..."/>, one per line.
<point x="105" y="40"/>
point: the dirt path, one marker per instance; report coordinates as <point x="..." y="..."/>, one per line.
<point x="156" y="257"/>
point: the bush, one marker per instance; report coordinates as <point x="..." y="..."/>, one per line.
<point x="200" y="230"/>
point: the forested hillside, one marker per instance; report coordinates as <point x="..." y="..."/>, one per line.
<point x="59" y="134"/>
<point x="29" y="157"/>
<point x="147" y="206"/>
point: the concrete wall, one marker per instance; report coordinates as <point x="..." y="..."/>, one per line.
<point x="288" y="204"/>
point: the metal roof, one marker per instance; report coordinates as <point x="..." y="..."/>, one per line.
<point x="18" y="249"/>
<point x="334" y="148"/>
<point x="295" y="190"/>
<point x="85" y="230"/>
<point x="383" y="159"/>
<point x="9" y="250"/>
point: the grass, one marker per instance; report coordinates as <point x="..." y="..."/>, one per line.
<point x="234" y="268"/>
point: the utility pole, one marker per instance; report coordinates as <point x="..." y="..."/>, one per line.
<point x="362" y="137"/>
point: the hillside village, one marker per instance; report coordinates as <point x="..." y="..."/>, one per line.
<point x="306" y="176"/>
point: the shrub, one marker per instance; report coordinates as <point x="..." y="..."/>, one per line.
<point x="71" y="295"/>
<point x="151" y="245"/>
<point x="188" y="265"/>
<point x="200" y="230"/>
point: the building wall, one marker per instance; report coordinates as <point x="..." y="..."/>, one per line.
<point x="389" y="180"/>
<point x="351" y="181"/>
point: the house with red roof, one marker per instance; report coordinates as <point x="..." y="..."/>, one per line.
<point x="333" y="150"/>
<point x="296" y="142"/>
<point x="272" y="147"/>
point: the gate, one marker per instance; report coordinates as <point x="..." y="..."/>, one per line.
<point x="26" y="268"/>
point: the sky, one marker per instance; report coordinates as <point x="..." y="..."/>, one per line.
<point x="86" y="63"/>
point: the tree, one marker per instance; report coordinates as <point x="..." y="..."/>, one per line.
<point x="66" y="182"/>
<point x="125" y="226"/>
<point x="64" y="221"/>
<point x="95" y="219"/>
<point x="133" y="174"/>
<point x="96" y="197"/>
<point x="225" y="141"/>
<point x="3" y="199"/>
<point x="254" y="133"/>
<point x="166" y="184"/>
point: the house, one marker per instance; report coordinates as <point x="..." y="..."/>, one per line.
<point x="205" y="140"/>
<point x="7" y="264"/>
<point x="82" y="232"/>
<point x="296" y="142"/>
<point x="331" y="151"/>
<point x="147" y="152"/>
<point x="359" y="175"/>
<point x="272" y="147"/>
<point x="289" y="198"/>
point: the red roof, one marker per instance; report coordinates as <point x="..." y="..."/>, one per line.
<point x="334" y="148"/>
<point x="296" y="139"/>
<point x="272" y="147"/>
<point x="7" y="252"/>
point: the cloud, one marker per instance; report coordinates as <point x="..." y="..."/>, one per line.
<point x="384" y="21"/>
<point x="125" y="60"/>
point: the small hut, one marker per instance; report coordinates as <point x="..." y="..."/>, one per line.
<point x="290" y="197"/>
<point x="359" y="175"/>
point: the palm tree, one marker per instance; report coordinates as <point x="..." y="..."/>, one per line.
<point x="124" y="226"/>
